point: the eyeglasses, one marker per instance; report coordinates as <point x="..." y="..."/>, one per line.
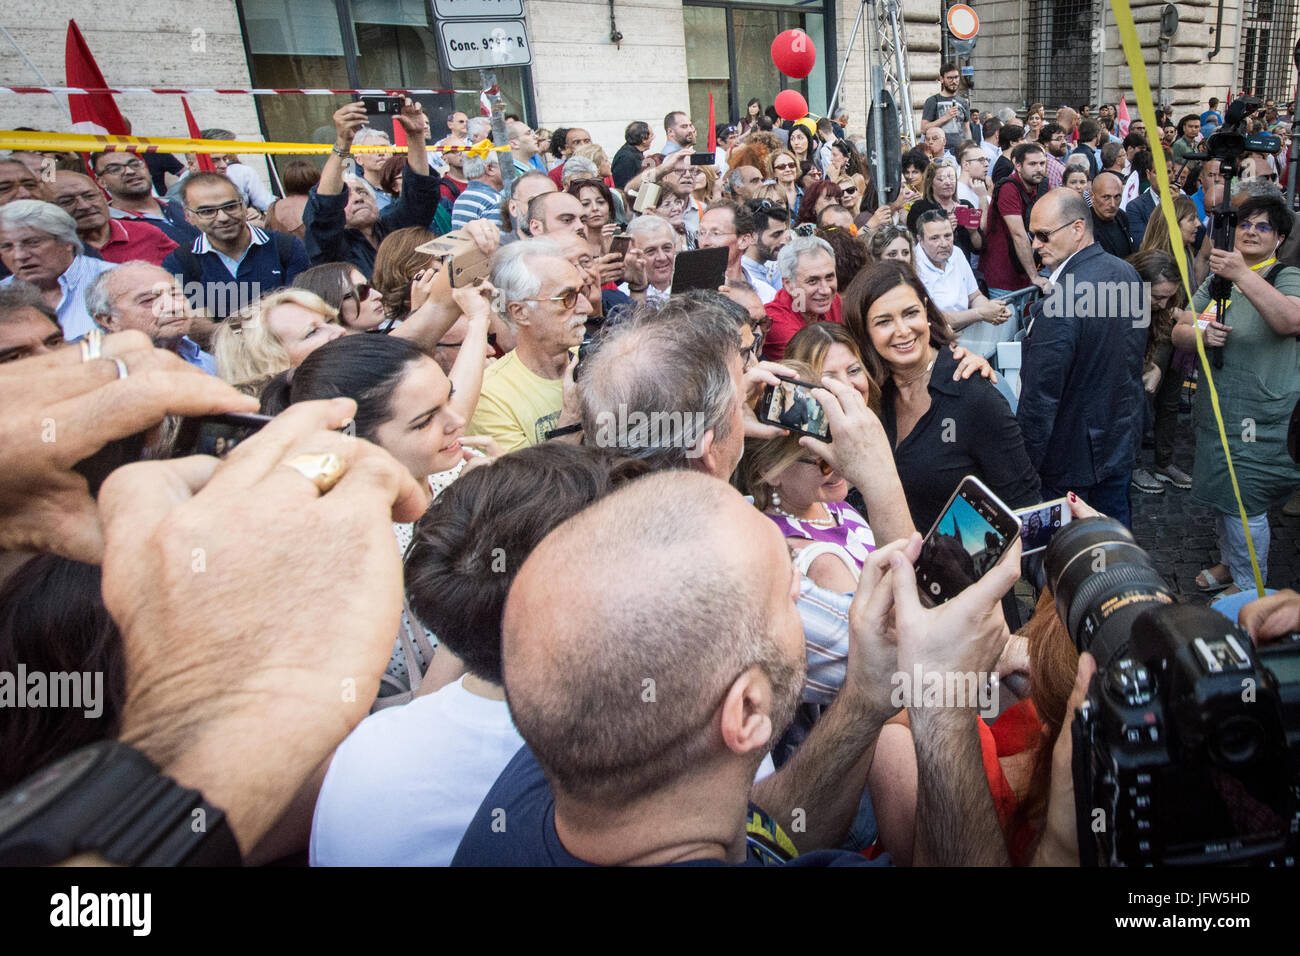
<point x="849" y="190"/>
<point x="1263" y="228"/>
<point x="782" y="167"/>
<point x="750" y="355"/>
<point x="116" y="169"/>
<point x="360" y="292"/>
<point x="1046" y="236"/>
<point x="976" y="159"/>
<point x="713" y="234"/>
<point x="824" y="466"/>
<point x="568" y="299"/>
<point x="232" y="209"/>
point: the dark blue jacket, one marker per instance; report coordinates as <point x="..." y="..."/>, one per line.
<point x="1139" y="214"/>
<point x="1081" y="394"/>
<point x="172" y="222"/>
<point x="272" y="262"/>
<point x="1086" y="152"/>
<point x="329" y="240"/>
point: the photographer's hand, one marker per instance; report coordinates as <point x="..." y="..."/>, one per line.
<point x="1228" y="264"/>
<point x="756" y="379"/>
<point x="1060" y="843"/>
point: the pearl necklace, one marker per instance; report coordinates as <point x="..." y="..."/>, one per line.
<point x="832" y="521"/>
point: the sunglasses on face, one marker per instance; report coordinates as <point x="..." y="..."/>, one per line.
<point x="750" y="355"/>
<point x="360" y="292"/>
<point x="568" y="299"/>
<point x="823" y="466"/>
<point x="782" y="167"/>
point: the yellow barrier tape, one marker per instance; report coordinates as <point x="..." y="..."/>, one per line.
<point x="1142" y="91"/>
<point x="93" y="143"/>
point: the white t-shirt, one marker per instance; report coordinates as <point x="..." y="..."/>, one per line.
<point x="404" y="785"/>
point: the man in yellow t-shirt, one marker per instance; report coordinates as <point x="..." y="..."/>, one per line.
<point x="523" y="393"/>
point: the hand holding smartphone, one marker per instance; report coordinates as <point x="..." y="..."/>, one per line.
<point x="970" y="536"/>
<point x="791" y="405"/>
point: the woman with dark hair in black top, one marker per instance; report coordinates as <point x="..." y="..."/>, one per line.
<point x="940" y="430"/>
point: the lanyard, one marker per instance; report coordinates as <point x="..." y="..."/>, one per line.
<point x="1211" y="311"/>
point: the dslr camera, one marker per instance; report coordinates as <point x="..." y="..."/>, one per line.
<point x="1187" y="749"/>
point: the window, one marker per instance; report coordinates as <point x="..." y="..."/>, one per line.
<point x="355" y="44"/>
<point x="1266" y="32"/>
<point x="729" y="54"/>
<point x="1060" y="52"/>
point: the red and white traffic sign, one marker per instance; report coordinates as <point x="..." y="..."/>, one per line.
<point x="963" y="22"/>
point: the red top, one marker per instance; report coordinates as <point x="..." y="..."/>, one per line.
<point x="1001" y="267"/>
<point x="131" y="239"/>
<point x="786" y="322"/>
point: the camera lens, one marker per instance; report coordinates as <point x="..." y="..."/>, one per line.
<point x="1101" y="581"/>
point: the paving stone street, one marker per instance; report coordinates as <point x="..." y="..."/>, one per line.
<point x="1179" y="533"/>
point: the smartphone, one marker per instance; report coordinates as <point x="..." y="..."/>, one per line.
<point x="1039" y="523"/>
<point x="970" y="218"/>
<point x="974" y="530"/>
<point x="620" y="244"/>
<point x="215" y="434"/>
<point x="791" y="405"/>
<point x="703" y="159"/>
<point x="700" y="269"/>
<point x="383" y="105"/>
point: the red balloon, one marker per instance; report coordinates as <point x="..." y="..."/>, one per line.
<point x="794" y="54"/>
<point x="790" y="105"/>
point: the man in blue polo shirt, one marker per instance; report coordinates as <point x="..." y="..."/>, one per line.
<point x="232" y="264"/>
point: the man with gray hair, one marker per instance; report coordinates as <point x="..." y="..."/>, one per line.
<point x="808" y="293"/>
<point x="142" y="296"/>
<point x="372" y="164"/>
<point x="743" y="182"/>
<point x="40" y="246"/>
<point x="542" y="301"/>
<point x="481" y="199"/>
<point x="477" y="129"/>
<point x="650" y="259"/>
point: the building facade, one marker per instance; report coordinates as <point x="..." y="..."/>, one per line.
<point x="601" y="65"/>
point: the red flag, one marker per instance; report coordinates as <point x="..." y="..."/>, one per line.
<point x="399" y="133"/>
<point x="1121" y="118"/>
<point x="91" y="112"/>
<point x="713" y="130"/>
<point x="205" y="161"/>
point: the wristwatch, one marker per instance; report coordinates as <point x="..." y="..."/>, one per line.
<point x="109" y="799"/>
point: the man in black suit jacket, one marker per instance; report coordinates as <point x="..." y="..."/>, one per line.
<point x="1089" y="133"/>
<point x="1081" y="400"/>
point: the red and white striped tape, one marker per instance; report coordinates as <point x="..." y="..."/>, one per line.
<point x="168" y="91"/>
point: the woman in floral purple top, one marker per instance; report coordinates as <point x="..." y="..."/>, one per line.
<point x="805" y="498"/>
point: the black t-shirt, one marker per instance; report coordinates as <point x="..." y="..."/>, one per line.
<point x="1113" y="236"/>
<point x="955" y="129"/>
<point x="625" y="165"/>
<point x="515" y="826"/>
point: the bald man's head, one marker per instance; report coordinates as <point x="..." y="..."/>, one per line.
<point x="1063" y="217"/>
<point x="1107" y="190"/>
<point x="628" y="626"/>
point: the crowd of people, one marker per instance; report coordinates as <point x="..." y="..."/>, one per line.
<point x="453" y="578"/>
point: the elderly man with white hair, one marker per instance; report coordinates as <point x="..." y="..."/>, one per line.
<point x="808" y="293"/>
<point x="541" y="300"/>
<point x="477" y="129"/>
<point x="654" y="242"/>
<point x="372" y="164"/>
<point x="481" y="199"/>
<point x="140" y="295"/>
<point x="40" y="246"/>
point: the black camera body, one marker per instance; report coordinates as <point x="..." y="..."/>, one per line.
<point x="1187" y="748"/>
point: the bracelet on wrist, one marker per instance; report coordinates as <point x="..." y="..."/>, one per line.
<point x="343" y="153"/>
<point x="636" y="288"/>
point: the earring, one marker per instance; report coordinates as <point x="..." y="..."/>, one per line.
<point x="776" y="498"/>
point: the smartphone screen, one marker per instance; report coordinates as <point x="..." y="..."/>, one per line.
<point x="971" y="535"/>
<point x="791" y="405"/>
<point x="1039" y="523"/>
<point x="216" y="435"/>
<point x="700" y="269"/>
